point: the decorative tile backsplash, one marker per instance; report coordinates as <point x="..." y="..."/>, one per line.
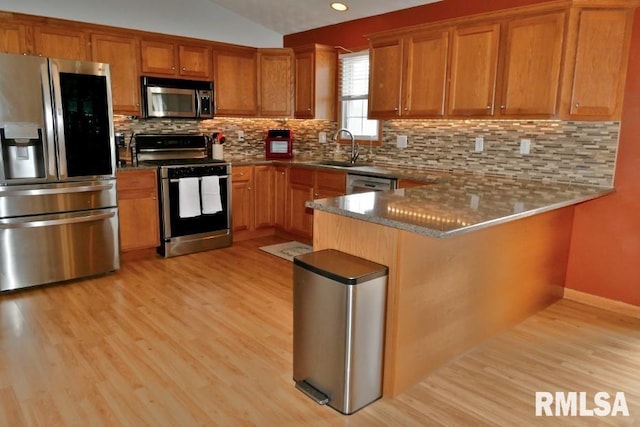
<point x="570" y="152"/>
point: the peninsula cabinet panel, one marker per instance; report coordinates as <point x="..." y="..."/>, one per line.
<point x="474" y="64"/>
<point x="385" y="78"/>
<point x="58" y="42"/>
<point x="600" y="67"/>
<point x="12" y="38"/>
<point x="425" y="83"/>
<point x="530" y="86"/>
<point x="122" y="54"/>
<point x="235" y="74"/>
<point x="275" y="82"/>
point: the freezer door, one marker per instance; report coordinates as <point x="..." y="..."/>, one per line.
<point x="84" y="116"/>
<point x="27" y="150"/>
<point x="51" y="248"/>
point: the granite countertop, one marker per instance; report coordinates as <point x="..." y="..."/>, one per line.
<point x="458" y="204"/>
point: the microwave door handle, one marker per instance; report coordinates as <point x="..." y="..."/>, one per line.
<point x="198" y="104"/>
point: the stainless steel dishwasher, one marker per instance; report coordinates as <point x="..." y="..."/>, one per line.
<point x="358" y="183"/>
<point x="338" y="328"/>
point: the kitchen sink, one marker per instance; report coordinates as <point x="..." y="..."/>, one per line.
<point x="339" y="163"/>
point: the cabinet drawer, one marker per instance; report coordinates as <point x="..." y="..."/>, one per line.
<point x="137" y="180"/>
<point x="301" y="176"/>
<point x="241" y="173"/>
<point x="336" y="181"/>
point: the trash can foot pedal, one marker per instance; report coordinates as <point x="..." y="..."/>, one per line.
<point x="319" y="397"/>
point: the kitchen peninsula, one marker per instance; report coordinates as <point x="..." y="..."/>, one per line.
<point x="468" y="257"/>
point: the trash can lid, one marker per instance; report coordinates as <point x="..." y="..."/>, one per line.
<point x="341" y="267"/>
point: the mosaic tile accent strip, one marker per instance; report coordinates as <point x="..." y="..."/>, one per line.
<point x="565" y="152"/>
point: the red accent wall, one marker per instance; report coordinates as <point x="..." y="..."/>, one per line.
<point x="351" y="34"/>
<point x="605" y="251"/>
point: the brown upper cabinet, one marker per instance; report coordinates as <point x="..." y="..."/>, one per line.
<point x="275" y="82"/>
<point x="409" y="75"/>
<point x="561" y="59"/>
<point x="596" y="68"/>
<point x="235" y="75"/>
<point x="122" y="54"/>
<point x="315" y="82"/>
<point x="60" y="42"/>
<point x="13" y="38"/>
<point x="167" y="57"/>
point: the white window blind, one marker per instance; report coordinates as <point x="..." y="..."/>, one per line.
<point x="355" y="75"/>
<point x="354" y="93"/>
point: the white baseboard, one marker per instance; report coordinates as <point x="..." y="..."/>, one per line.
<point x="601" y="302"/>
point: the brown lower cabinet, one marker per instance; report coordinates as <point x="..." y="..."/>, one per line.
<point x="138" y="209"/>
<point x="267" y="198"/>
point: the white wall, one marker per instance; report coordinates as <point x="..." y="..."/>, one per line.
<point x="200" y="19"/>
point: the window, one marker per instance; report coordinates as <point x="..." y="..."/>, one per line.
<point x="354" y="90"/>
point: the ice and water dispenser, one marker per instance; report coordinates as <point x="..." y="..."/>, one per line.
<point x="23" y="153"/>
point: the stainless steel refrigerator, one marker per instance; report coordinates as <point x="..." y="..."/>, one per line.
<point x="58" y="205"/>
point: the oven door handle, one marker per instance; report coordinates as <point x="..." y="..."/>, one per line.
<point x="200" y="178"/>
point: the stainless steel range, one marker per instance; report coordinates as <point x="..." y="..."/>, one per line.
<point x="195" y="192"/>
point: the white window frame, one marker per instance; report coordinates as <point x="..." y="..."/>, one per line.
<point x="355" y="88"/>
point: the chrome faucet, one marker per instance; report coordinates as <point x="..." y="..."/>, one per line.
<point x="355" y="148"/>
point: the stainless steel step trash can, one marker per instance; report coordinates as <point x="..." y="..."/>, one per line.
<point x="338" y="328"/>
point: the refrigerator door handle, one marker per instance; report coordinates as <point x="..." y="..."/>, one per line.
<point x="59" y="119"/>
<point x="58" y="190"/>
<point x="50" y="147"/>
<point x="74" y="219"/>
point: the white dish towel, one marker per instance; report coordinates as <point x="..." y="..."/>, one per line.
<point x="188" y="197"/>
<point x="210" y="193"/>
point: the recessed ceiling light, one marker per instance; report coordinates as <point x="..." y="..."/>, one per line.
<point x="340" y="7"/>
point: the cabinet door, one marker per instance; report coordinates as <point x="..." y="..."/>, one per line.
<point x="474" y="63"/>
<point x="385" y="75"/>
<point x="138" y="210"/>
<point x="304" y="86"/>
<point x="158" y="57"/>
<point x="61" y="43"/>
<point x="264" y="196"/>
<point x="426" y="74"/>
<point x="195" y="61"/>
<point x="12" y="38"/>
<point x="122" y="54"/>
<point x="601" y="63"/>
<point x="301" y="182"/>
<point x="275" y="82"/>
<point x="242" y="198"/>
<point x="235" y="77"/>
<point x="330" y="184"/>
<point x="281" y="186"/>
<point x="532" y="66"/>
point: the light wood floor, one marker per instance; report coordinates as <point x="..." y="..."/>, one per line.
<point x="206" y="339"/>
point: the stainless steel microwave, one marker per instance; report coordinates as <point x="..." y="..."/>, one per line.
<point x="162" y="97"/>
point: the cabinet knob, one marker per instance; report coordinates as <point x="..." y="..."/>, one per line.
<point x="154" y="198"/>
<point x="502" y="107"/>
<point x="577" y="105"/>
<point x="309" y="109"/>
<point x="488" y="107"/>
<point x="241" y="173"/>
<point x="395" y="109"/>
<point x="248" y="188"/>
<point x="173" y="68"/>
<point x="184" y="68"/>
<point x="282" y="173"/>
<point x="315" y="194"/>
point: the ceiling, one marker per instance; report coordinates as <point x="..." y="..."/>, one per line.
<point x="293" y="16"/>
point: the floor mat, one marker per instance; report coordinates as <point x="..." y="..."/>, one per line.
<point x="287" y="250"/>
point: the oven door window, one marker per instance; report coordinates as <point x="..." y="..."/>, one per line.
<point x="206" y="223"/>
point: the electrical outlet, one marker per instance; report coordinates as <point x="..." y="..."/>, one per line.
<point x="475" y="202"/>
<point x="479" y="145"/>
<point x="322" y="137"/>
<point x="525" y="146"/>
<point x="401" y="141"/>
<point x="240" y="135"/>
